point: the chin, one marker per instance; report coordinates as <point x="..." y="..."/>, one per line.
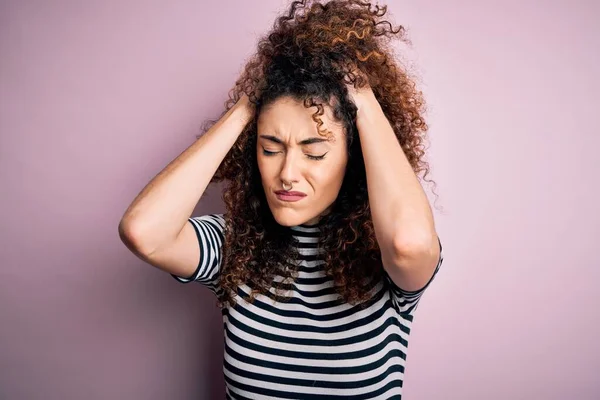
<point x="287" y="217"/>
<point x="286" y="220"/>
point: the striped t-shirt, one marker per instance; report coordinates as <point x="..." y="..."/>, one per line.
<point x="309" y="347"/>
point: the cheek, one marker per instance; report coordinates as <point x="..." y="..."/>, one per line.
<point x="265" y="168"/>
<point x="337" y="167"/>
<point x="329" y="175"/>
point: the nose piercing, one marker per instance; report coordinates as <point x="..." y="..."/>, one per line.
<point x="286" y="188"/>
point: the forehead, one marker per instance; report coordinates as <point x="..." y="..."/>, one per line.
<point x="287" y="116"/>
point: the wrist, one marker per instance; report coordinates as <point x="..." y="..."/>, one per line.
<point x="241" y="113"/>
<point x="367" y="106"/>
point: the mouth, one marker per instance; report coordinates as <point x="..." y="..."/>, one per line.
<point x="289" y="196"/>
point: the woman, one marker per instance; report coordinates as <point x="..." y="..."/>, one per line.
<point x="328" y="240"/>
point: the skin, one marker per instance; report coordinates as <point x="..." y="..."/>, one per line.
<point x="282" y="157"/>
<point x="402" y="218"/>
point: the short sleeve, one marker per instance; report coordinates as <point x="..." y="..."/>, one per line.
<point x="404" y="301"/>
<point x="209" y="231"/>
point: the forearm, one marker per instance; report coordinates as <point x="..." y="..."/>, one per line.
<point x="401" y="213"/>
<point x="161" y="209"/>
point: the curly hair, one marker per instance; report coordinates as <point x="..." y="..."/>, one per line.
<point x="311" y="54"/>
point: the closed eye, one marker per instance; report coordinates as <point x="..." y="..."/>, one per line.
<point x="270" y="153"/>
<point x="316" y="157"/>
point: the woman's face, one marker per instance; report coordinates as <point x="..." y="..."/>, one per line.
<point x="289" y="149"/>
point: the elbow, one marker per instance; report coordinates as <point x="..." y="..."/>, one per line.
<point x="131" y="236"/>
<point x="413" y="246"/>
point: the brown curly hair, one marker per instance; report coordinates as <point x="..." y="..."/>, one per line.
<point x="311" y="53"/>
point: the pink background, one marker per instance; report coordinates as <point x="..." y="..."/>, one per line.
<point x="98" y="96"/>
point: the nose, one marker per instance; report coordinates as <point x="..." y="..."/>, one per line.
<point x="289" y="170"/>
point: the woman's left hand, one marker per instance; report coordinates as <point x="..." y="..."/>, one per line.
<point x="360" y="96"/>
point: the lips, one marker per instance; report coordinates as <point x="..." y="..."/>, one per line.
<point x="286" y="193"/>
<point x="289" y="196"/>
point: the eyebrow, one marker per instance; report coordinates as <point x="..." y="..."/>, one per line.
<point x="301" y="143"/>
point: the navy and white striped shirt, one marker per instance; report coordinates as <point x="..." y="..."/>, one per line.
<point x="310" y="347"/>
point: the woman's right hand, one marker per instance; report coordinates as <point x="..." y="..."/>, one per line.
<point x="244" y="107"/>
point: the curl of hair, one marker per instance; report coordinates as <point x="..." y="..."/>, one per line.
<point x="312" y="53"/>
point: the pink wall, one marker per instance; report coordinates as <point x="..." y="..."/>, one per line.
<point x="97" y="96"/>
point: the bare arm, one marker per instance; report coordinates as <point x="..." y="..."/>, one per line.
<point x="154" y="226"/>
<point x="402" y="217"/>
